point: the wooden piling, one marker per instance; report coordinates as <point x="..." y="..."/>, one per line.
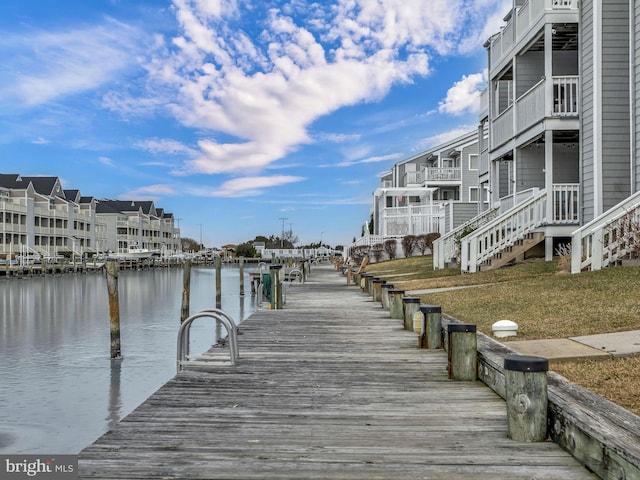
<point x="526" y="396"/>
<point x="114" y="308"/>
<point x="384" y="296"/>
<point x="218" y="282"/>
<point x="462" y="359"/>
<point x="430" y="335"/>
<point x="186" y="290"/>
<point x="410" y="306"/>
<point x="395" y="304"/>
<point x="241" y="263"/>
<point x="377" y="289"/>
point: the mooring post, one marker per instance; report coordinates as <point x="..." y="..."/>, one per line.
<point x="410" y="306"/>
<point x="462" y="352"/>
<point x="114" y="308"/>
<point x="377" y="289"/>
<point x="430" y="331"/>
<point x="186" y="290"/>
<point x="384" y="295"/>
<point x="241" y="263"/>
<point x="526" y="396"/>
<point x="276" y="287"/>
<point x="218" y="282"/>
<point x="395" y="304"/>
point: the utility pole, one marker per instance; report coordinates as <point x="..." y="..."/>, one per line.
<point x="282" y="237"/>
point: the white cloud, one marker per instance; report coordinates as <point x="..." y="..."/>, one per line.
<point x="246" y="186"/>
<point x="376" y="159"/>
<point x="165" y="146"/>
<point x="106" y="161"/>
<point x="253" y="99"/>
<point x="445" y="136"/>
<point x="150" y="192"/>
<point x="41" y="67"/>
<point x="464" y="96"/>
<point x="40" y="141"/>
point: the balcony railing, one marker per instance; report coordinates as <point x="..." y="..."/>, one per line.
<point x="438" y="174"/>
<point x="565" y="203"/>
<point x="411" y="220"/>
<point x="526" y="15"/>
<point x="532" y="107"/>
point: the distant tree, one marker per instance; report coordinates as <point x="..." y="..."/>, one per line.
<point x="189" y="244"/>
<point x="246" y="250"/>
<point x="408" y="244"/>
<point x="389" y="247"/>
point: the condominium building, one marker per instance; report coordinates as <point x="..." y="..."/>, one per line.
<point x="39" y="217"/>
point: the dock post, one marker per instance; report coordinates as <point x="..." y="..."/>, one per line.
<point x="377" y="289"/>
<point x="526" y="395"/>
<point x="241" y="263"/>
<point x="384" y="296"/>
<point x="114" y="308"/>
<point x="218" y="282"/>
<point x="462" y="355"/>
<point x="430" y="334"/>
<point x="186" y="291"/>
<point x="276" y="287"/>
<point x="395" y="304"/>
<point x="410" y="306"/>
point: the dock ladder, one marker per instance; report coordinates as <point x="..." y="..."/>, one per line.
<point x="206" y="359"/>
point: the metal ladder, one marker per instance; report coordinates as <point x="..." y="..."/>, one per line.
<point x="206" y="359"/>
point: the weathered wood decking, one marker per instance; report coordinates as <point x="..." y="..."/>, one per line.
<point x="329" y="387"/>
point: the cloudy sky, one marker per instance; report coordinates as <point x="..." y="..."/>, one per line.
<point x="238" y="116"/>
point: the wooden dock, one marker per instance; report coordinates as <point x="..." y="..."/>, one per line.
<point x="328" y="387"/>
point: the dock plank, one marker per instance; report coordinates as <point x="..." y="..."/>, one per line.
<point x="328" y="387"/>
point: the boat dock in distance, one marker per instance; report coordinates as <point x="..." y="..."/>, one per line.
<point x="327" y="387"/>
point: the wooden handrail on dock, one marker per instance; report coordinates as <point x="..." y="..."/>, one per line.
<point x="328" y="387"/>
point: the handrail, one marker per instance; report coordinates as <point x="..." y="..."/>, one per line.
<point x="219" y="316"/>
<point x="503" y="231"/>
<point x="588" y="249"/>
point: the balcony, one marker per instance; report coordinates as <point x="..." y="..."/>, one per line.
<point x="442" y="174"/>
<point x="522" y="20"/>
<point x="533" y="107"/>
<point x="411" y="220"/>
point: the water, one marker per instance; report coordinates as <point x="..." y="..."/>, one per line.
<point x="60" y="390"/>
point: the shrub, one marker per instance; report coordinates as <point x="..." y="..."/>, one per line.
<point x="425" y="242"/>
<point x="408" y="244"/>
<point x="377" y="251"/>
<point x="390" y="248"/>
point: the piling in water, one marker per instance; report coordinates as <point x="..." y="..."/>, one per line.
<point x="186" y="291"/>
<point x="114" y="308"/>
<point x="218" y="282"/>
<point x="241" y="262"/>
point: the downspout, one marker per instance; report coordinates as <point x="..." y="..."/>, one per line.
<point x="632" y="97"/>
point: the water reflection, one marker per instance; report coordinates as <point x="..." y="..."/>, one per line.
<point x="60" y="389"/>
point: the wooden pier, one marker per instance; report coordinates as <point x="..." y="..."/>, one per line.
<point x="328" y="387"/>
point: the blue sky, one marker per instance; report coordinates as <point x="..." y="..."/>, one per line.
<point x="234" y="114"/>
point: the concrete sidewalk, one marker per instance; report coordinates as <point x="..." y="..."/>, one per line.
<point x="603" y="346"/>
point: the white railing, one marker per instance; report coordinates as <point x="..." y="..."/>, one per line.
<point x="434" y="174"/>
<point x="445" y="248"/>
<point x="530" y="106"/>
<point x="411" y="220"/>
<point x="502" y="127"/>
<point x="525" y="17"/>
<point x="504" y="231"/>
<point x="607" y="238"/>
<point x="413" y="178"/>
<point x="508" y="202"/>
<point x="565" y="96"/>
<point x="565" y="202"/>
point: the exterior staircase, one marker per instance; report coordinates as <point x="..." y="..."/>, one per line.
<point x="511" y="253"/>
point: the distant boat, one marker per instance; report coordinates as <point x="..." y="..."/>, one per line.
<point x="134" y="253"/>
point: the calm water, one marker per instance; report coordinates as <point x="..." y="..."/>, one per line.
<point x="59" y="389"/>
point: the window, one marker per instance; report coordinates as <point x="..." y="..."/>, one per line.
<point x="473" y="161"/>
<point x="473" y="194"/>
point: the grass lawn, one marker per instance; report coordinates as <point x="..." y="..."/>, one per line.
<point x="545" y="302"/>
